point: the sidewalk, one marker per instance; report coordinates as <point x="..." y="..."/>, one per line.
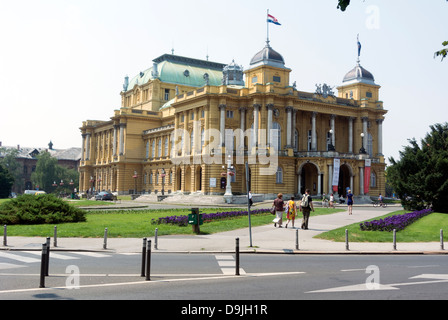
<point x="265" y="239"/>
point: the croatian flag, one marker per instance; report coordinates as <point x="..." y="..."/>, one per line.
<point x="273" y="20"/>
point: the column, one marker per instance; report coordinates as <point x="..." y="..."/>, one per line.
<point x="330" y="178"/>
<point x="256" y="123"/>
<point x="319" y="184"/>
<point x="293" y="134"/>
<point x="114" y="144"/>
<point x="288" y="126"/>
<point x="270" y="108"/>
<point x="361" y="181"/>
<point x="121" y="150"/>
<point x="243" y="127"/>
<point x="88" y="135"/>
<point x="222" y="123"/>
<point x="313" y="132"/>
<point x="350" y="134"/>
<point x="380" y="136"/>
<point x="83" y="148"/>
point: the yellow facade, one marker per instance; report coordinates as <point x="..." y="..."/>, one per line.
<point x="184" y="122"/>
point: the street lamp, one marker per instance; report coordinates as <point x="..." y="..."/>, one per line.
<point x="331" y="146"/>
<point x="163" y="175"/>
<point x="362" y="150"/>
<point x="229" y="171"/>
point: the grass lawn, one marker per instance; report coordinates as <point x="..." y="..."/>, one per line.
<point x="137" y="224"/>
<point x="426" y="229"/>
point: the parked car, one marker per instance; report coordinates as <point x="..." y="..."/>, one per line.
<point x="103" y="195"/>
<point x="34" y="192"/>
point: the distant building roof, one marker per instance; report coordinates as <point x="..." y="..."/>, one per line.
<point x="73" y="154"/>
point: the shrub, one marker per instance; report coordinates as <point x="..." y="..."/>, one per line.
<point x="41" y="209"/>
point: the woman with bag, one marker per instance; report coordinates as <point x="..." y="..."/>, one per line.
<point x="279" y="207"/>
<point x="291" y="212"/>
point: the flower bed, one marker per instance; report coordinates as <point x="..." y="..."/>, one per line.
<point x="397" y="222"/>
<point x="207" y="217"/>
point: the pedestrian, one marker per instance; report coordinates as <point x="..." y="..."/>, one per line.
<point x="291" y="212"/>
<point x="279" y="207"/>
<point x="332" y="201"/>
<point x="350" y="202"/>
<point x="306" y="205"/>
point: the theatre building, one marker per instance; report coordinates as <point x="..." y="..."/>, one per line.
<point x="189" y="126"/>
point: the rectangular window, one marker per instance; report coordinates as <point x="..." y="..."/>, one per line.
<point x="167" y="94"/>
<point x="254" y="79"/>
<point x="277" y="79"/>
<point x="230" y="114"/>
<point x="369" y="94"/>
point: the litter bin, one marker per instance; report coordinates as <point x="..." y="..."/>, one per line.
<point x="195" y="219"/>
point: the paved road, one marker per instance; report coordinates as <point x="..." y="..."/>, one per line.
<point x="200" y="277"/>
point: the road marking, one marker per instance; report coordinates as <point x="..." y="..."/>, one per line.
<point x="217" y="277"/>
<point x="54" y="255"/>
<point x="9" y="266"/>
<point x="17" y="257"/>
<point x="227" y="264"/>
<point x="439" y="278"/>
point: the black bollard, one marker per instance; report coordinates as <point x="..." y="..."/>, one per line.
<point x="148" y="261"/>
<point x="42" y="265"/>
<point x="5" y="241"/>
<point x="47" y="260"/>
<point x="143" y="257"/>
<point x="237" y="258"/>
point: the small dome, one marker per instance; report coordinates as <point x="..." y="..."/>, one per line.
<point x="233" y="74"/>
<point x="359" y="74"/>
<point x="268" y="56"/>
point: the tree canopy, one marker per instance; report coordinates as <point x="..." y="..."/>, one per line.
<point x="420" y="177"/>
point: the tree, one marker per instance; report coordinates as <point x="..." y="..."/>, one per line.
<point x="343" y="4"/>
<point x="48" y="171"/>
<point x="6" y="182"/>
<point x="9" y="160"/>
<point x="420" y="177"/>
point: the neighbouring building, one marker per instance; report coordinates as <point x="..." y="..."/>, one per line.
<point x="187" y="125"/>
<point x="27" y="158"/>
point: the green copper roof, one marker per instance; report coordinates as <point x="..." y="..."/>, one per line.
<point x="180" y="70"/>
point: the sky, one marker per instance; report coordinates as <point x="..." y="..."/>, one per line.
<point x="64" y="61"/>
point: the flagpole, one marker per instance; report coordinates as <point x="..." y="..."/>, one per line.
<point x="267" y="26"/>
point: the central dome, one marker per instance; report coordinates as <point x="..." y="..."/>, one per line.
<point x="268" y="56"/>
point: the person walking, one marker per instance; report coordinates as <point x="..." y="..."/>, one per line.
<point x="350" y="202"/>
<point x="306" y="205"/>
<point x="279" y="207"/>
<point x="291" y="212"/>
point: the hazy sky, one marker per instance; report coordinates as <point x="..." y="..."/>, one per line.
<point x="62" y="61"/>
